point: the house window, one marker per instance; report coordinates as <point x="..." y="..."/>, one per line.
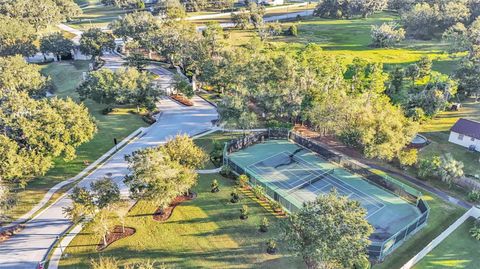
<point x="460" y="137"/>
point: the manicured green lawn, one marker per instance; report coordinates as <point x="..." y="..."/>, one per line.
<point x="96" y="15"/>
<point x="459" y="250"/>
<point x="437" y="131"/>
<point x="203" y="233"/>
<point x="66" y="76"/>
<point x="442" y="215"/>
<point x="351" y="38"/>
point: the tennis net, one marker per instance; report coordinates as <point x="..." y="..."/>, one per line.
<point x="311" y="181"/>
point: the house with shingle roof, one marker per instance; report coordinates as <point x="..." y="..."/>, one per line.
<point x="466" y="133"/>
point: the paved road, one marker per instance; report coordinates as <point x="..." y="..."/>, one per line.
<point x="26" y="249"/>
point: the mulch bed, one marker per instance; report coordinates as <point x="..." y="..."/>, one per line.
<point x="164" y="215"/>
<point x="5" y="235"/>
<point x="181" y="99"/>
<point x="115" y="235"/>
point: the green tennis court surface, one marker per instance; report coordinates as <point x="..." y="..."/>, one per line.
<point x="296" y="175"/>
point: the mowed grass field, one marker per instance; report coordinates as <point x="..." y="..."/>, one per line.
<point x="459" y="250"/>
<point x="348" y="39"/>
<point x="66" y="76"/>
<point x="203" y="233"/>
<point x="437" y="131"/>
<point x="96" y="15"/>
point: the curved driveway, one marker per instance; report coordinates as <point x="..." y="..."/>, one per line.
<point x="27" y="248"/>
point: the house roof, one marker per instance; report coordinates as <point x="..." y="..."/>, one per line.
<point x="467" y="127"/>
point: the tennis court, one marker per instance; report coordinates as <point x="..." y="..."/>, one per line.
<point x="293" y="175"/>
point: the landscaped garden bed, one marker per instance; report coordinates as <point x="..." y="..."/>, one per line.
<point x="118" y="233"/>
<point x="182" y="99"/>
<point x="163" y="214"/>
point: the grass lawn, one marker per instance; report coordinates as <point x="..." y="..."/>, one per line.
<point x="351" y="38"/>
<point x="442" y="215"/>
<point x="203" y="233"/>
<point x="66" y="76"/>
<point x="96" y="15"/>
<point x="437" y="131"/>
<point x="459" y="250"/>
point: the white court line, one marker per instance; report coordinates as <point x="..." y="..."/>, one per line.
<point x="359" y="191"/>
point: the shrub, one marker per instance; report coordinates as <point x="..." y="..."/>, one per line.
<point x="181" y="99"/>
<point x="428" y="167"/>
<point x="226" y="171"/>
<point x="242" y="181"/>
<point x="474" y="196"/>
<point x="244" y="212"/>
<point x="235" y="196"/>
<point x="215" y="186"/>
<point x="104" y="263"/>
<point x="450" y="170"/>
<point x="276" y="206"/>
<point x="264" y="225"/>
<point x="362" y="263"/>
<point x="408" y="157"/>
<point x="293" y="30"/>
<point x="386" y="35"/>
<point x="475" y="231"/>
<point x="107" y="110"/>
<point x="259" y="192"/>
<point x="271" y="246"/>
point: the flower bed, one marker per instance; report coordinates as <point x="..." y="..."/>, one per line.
<point x="182" y="99"/>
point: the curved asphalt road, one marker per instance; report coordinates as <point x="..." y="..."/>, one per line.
<point x="27" y="248"/>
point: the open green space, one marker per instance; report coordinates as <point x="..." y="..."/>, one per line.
<point x="348" y="39"/>
<point x="96" y="15"/>
<point x="458" y="250"/>
<point x="66" y="76"/>
<point x="203" y="233"/>
<point x="437" y="131"/>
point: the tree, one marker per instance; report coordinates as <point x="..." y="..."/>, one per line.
<point x="396" y="79"/>
<point x="16" y="37"/>
<point x="39" y="14"/>
<point x="468" y="78"/>
<point x="141" y="27"/>
<point x="6" y="198"/>
<point x="157" y="179"/>
<point x="125" y="86"/>
<point x="136" y="60"/>
<point x="105" y="192"/>
<point x="424" y="66"/>
<point x="172" y="9"/>
<point x="38" y="129"/>
<point x="450" y="170"/>
<point x="56" y="44"/>
<point x="386" y="35"/>
<point x="94" y="42"/>
<point x="413" y="72"/>
<point x="182" y="86"/>
<point x="31" y="80"/>
<point x="183" y="150"/>
<point x="102" y="224"/>
<point x="421" y="21"/>
<point x="241" y="19"/>
<point x="347" y="9"/>
<point x="313" y="232"/>
<point x="68" y="9"/>
<point x="82" y="205"/>
<point x="121" y="209"/>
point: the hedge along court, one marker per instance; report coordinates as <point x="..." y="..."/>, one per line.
<point x="292" y="174"/>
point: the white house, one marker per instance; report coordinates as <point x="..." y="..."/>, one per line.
<point x="466" y="133"/>
<point x="271" y="2"/>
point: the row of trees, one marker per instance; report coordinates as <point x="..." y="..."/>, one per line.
<point x="35" y="130"/>
<point x="425" y="18"/>
<point x="347" y="9"/>
<point x="21" y="20"/>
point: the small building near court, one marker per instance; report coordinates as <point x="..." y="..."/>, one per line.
<point x="466" y="133"/>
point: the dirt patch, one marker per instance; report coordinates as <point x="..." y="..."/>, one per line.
<point x="116" y="235"/>
<point x="163" y="215"/>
